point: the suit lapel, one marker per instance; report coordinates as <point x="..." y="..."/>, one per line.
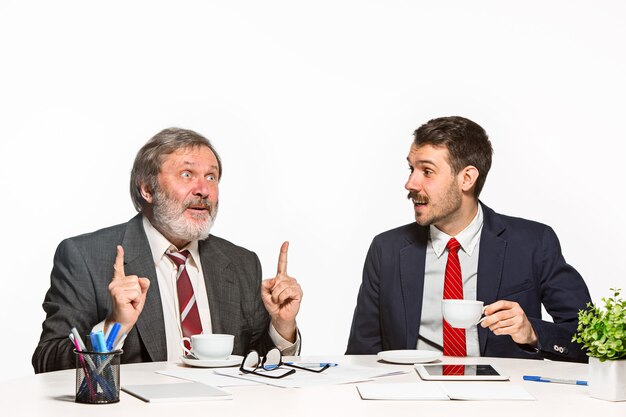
<point x="221" y="284"/>
<point x="412" y="266"/>
<point x="490" y="264"/>
<point x="138" y="261"/>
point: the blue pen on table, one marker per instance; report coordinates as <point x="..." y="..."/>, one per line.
<point x="312" y="364"/>
<point x="536" y="378"/>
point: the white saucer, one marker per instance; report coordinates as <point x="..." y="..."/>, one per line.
<point x="232" y="360"/>
<point x="409" y="356"/>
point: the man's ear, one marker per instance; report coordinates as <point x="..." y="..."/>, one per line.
<point x="469" y="176"/>
<point x="146" y="193"/>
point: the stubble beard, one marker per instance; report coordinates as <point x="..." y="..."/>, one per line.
<point x="450" y="204"/>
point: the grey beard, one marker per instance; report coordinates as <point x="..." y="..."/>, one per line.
<point x="169" y="220"/>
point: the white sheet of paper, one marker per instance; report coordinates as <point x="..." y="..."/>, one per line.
<point x="331" y="376"/>
<point x="486" y="391"/>
<point x="206" y="376"/>
<point x="403" y="391"/>
<point x="468" y="391"/>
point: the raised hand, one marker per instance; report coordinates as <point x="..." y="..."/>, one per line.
<point x="282" y="296"/>
<point x="128" y="293"/>
<point x="508" y="317"/>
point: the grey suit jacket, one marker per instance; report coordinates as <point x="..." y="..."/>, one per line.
<point x="78" y="295"/>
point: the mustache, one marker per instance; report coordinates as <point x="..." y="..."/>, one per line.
<point x="413" y="195"/>
<point x="198" y="203"/>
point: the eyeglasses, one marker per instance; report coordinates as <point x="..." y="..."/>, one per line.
<point x="253" y="364"/>
<point x="273" y="360"/>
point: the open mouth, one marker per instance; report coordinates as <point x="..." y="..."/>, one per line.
<point x="199" y="209"/>
<point x="418" y="200"/>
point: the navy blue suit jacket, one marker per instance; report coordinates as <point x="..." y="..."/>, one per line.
<point x="519" y="260"/>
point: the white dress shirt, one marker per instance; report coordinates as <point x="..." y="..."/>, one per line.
<point x="431" y="323"/>
<point x="166" y="275"/>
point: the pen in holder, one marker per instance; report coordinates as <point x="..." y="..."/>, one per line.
<point x="97" y="377"/>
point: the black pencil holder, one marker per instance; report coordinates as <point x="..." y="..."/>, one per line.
<point x="98" y="377"/>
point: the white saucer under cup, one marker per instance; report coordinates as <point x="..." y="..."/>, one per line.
<point x="232" y="360"/>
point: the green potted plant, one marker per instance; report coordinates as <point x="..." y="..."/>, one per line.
<point x="602" y="333"/>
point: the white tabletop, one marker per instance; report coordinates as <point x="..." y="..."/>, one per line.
<point x="52" y="394"/>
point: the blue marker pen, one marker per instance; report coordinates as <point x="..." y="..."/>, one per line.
<point x="101" y="343"/>
<point x="95" y="346"/>
<point x="113" y="331"/>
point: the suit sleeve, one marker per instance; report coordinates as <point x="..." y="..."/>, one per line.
<point x="70" y="302"/>
<point x="563" y="294"/>
<point x="365" y="333"/>
<point x="261" y="340"/>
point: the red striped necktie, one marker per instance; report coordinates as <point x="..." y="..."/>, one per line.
<point x="453" y="338"/>
<point x="189" y="316"/>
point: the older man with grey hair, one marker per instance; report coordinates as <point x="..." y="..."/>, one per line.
<point x="135" y="273"/>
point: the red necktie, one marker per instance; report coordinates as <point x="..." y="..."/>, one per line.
<point x="189" y="316"/>
<point x="453" y="338"/>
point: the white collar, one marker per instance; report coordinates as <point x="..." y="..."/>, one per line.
<point x="159" y="244"/>
<point x="468" y="237"/>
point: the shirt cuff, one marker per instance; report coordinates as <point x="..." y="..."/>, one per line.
<point x="286" y="348"/>
<point x="99" y="327"/>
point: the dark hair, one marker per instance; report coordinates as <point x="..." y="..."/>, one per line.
<point x="466" y="141"/>
<point x="150" y="157"/>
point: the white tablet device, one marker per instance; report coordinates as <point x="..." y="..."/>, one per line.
<point x="455" y="372"/>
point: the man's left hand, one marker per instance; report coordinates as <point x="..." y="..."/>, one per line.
<point x="507" y="317"/>
<point x="282" y="296"/>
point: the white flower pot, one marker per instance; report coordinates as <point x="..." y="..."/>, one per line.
<point x="607" y="380"/>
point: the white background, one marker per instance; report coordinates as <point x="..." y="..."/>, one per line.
<point x="312" y="108"/>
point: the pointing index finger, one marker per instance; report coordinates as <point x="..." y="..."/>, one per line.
<point x="282" y="259"/>
<point x="118" y="266"/>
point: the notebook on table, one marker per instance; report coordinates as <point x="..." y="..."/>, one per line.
<point x="177" y="392"/>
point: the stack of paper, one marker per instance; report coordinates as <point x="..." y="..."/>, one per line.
<point x="331" y="376"/>
<point x="206" y="376"/>
<point x="471" y="391"/>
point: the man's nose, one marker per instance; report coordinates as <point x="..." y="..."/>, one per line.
<point x="413" y="183"/>
<point x="201" y="188"/>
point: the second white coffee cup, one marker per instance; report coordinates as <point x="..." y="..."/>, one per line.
<point x="209" y="346"/>
<point x="462" y="313"/>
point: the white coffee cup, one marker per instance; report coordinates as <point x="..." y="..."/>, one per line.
<point x="209" y="346"/>
<point x="462" y="313"/>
